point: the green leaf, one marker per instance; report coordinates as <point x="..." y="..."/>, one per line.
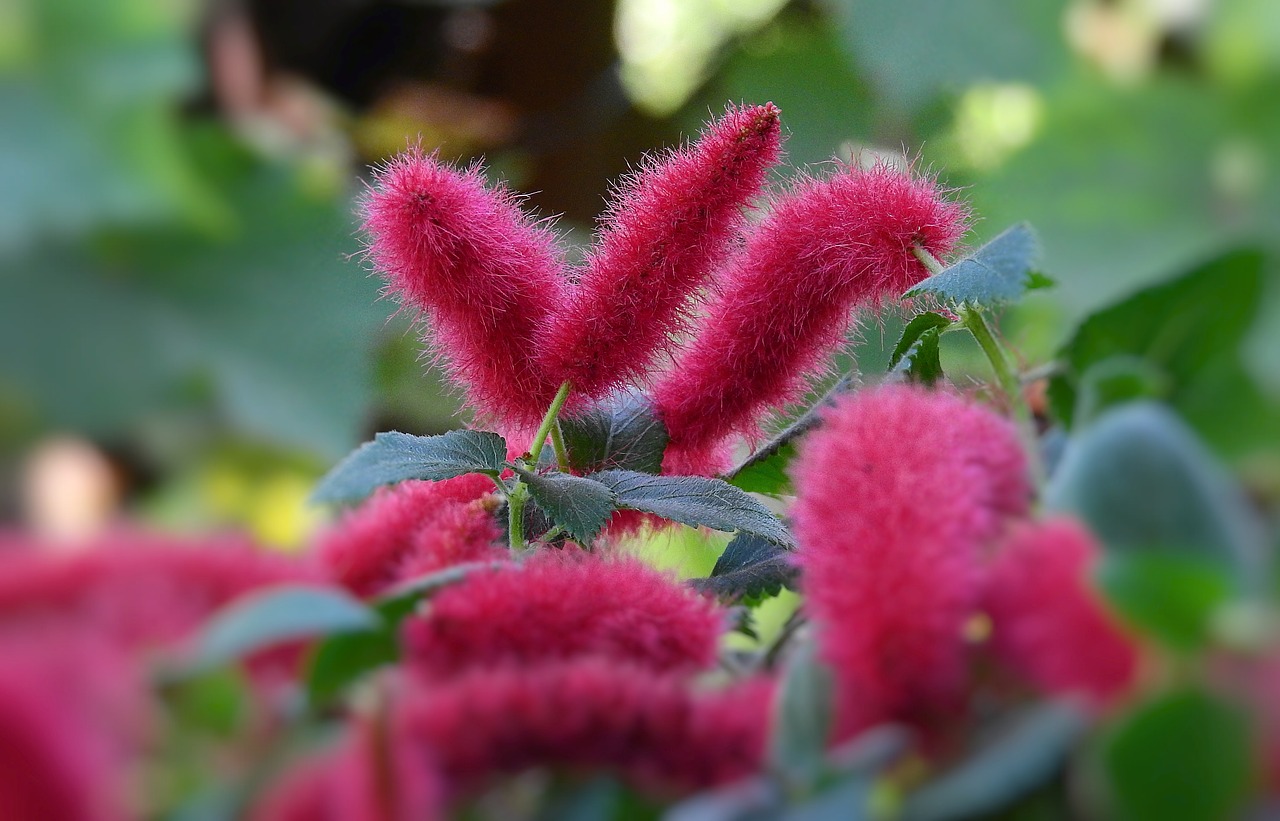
<point x="342" y="659"/>
<point x="1185" y="756"/>
<point x="998" y="272"/>
<point x="750" y="568"/>
<point x="848" y="800"/>
<point x="695" y="501"/>
<point x="765" y="471"/>
<point x="916" y="328"/>
<point x="1172" y="597"/>
<point x="394" y="457"/>
<point x="1183" y="340"/>
<point x="579" y="504"/>
<point x="275" y="616"/>
<point x="922" y="360"/>
<point x="1021" y="755"/>
<point x="1140" y="479"/>
<point x="803" y="712"/>
<point x="623" y="434"/>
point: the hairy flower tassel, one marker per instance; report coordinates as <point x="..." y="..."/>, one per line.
<point x="668" y="227"/>
<point x="559" y="606"/>
<point x="590" y="715"/>
<point x="785" y="302"/>
<point x="412" y="529"/>
<point x="483" y="273"/>
<point x="1049" y="626"/>
<point x="898" y="495"/>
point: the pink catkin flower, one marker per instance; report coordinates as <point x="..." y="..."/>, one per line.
<point x="897" y="497"/>
<point x="785" y="303"/>
<point x="1049" y="626"/>
<point x="562" y="606"/>
<point x="412" y="529"/>
<point x="140" y="591"/>
<point x="483" y="273"/>
<point x="667" y="229"/>
<point x="590" y="715"/>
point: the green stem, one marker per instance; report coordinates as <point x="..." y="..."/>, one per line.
<point x="548" y="422"/>
<point x="519" y="494"/>
<point x="557" y="442"/>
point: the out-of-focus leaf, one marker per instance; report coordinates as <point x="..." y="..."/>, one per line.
<point x="581" y="505"/>
<point x="624" y="433"/>
<point x="1185" y="756"/>
<point x="996" y="273"/>
<point x="394" y="457"/>
<point x="1140" y="479"/>
<point x="750" y="568"/>
<point x="849" y="800"/>
<point x="1023" y="754"/>
<point x="756" y="799"/>
<point x="802" y="715"/>
<point x="913" y="51"/>
<point x="1170" y="596"/>
<point x="695" y="501"/>
<point x="275" y="616"/>
<point x="1181" y="339"/>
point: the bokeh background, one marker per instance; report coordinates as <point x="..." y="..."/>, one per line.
<point x="187" y="332"/>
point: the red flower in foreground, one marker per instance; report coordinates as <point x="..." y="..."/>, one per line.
<point x="486" y="276"/>
<point x="1050" y="627"/>
<point x="412" y="529"/>
<point x="138" y="590"/>
<point x="561" y="606"/>
<point x="896" y="500"/>
<point x="782" y="307"/>
<point x="666" y="230"/>
<point x="592" y="715"/>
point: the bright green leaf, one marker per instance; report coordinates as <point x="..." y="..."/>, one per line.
<point x="394" y="457"/>
<point x="1170" y="596"/>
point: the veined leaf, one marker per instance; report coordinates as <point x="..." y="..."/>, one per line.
<point x="394" y="457"/>
<point x="750" y="568"/>
<point x="625" y="434"/>
<point x="696" y="501"/>
<point x="579" y="504"/>
<point x="917" y="355"/>
<point x="1000" y="271"/>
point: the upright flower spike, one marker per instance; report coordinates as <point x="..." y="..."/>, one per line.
<point x="483" y="273"/>
<point x="558" y="606"/>
<point x="668" y="227"/>
<point x="1049" y="627"/>
<point x="898" y="495"/>
<point x="783" y="306"/>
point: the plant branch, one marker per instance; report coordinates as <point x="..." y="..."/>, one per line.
<point x="548" y="422"/>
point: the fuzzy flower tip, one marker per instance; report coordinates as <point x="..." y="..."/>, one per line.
<point x="784" y="304"/>
<point x="559" y="606"/>
<point x="665" y="231"/>
<point x="412" y="529"/>
<point x="896" y="501"/>
<point x="138" y="590"/>
<point x="591" y="715"/>
<point x="484" y="274"/>
<point x="1050" y="627"/>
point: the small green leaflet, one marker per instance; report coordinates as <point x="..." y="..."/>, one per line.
<point x="750" y="568"/>
<point x="581" y="505"/>
<point x="1000" y="271"/>
<point x="695" y="501"/>
<point x="394" y="457"/>
<point x="917" y="355"/>
<point x="625" y="433"/>
<point x="275" y="616"/>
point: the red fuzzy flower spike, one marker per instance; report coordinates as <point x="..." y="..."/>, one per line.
<point x="1049" y="626"/>
<point x="559" y="606"/>
<point x="412" y="529"/>
<point x="484" y="274"/>
<point x="897" y="497"/>
<point x="591" y="715"/>
<point x="667" y="229"/>
<point x="785" y="303"/>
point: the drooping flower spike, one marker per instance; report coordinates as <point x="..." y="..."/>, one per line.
<point x="667" y="229"/>
<point x="483" y="273"/>
<point x="899" y="494"/>
<point x="784" y="304"/>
